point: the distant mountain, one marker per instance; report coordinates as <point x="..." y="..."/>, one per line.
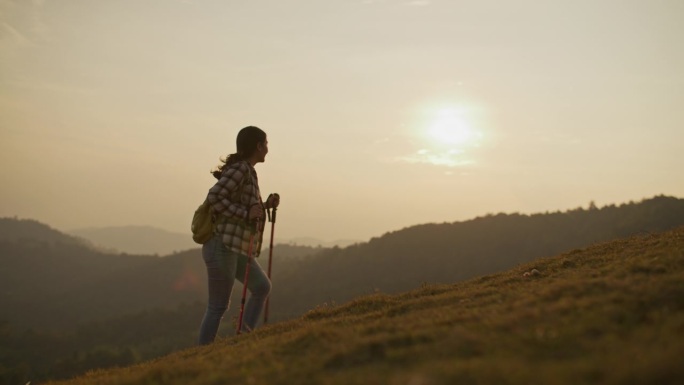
<point x="137" y="239"/>
<point x="15" y="229"/>
<point x="40" y="267"/>
<point x="73" y="283"/>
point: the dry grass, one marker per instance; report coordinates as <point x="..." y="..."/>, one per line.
<point x="611" y="314"/>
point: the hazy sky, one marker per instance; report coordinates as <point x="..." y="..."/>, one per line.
<point x="379" y="114"/>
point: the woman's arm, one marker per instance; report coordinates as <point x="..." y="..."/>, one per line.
<point x="219" y="195"/>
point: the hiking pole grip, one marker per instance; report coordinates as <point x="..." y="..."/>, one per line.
<point x="272" y="218"/>
<point x="275" y="209"/>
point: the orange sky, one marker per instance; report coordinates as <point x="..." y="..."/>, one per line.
<point x="380" y="114"/>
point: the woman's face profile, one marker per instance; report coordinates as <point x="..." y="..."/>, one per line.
<point x="262" y="150"/>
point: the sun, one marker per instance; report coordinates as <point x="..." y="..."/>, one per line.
<point x="450" y="136"/>
<point x="449" y="127"/>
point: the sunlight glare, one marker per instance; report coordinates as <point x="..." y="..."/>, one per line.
<point x="446" y="134"/>
<point x="449" y="134"/>
<point x="450" y="128"/>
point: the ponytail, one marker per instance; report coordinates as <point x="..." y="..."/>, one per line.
<point x="227" y="161"/>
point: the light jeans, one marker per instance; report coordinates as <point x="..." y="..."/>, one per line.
<point x="223" y="266"/>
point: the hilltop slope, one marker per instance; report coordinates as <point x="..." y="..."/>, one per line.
<point x="612" y="313"/>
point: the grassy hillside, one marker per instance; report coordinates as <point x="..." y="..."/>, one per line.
<point x="612" y="313"/>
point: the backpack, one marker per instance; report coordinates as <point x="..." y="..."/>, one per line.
<point x="202" y="223"/>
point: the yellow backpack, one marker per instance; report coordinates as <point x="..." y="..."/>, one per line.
<point x="203" y="223"/>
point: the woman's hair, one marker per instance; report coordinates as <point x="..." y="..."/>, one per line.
<point x="246" y="143"/>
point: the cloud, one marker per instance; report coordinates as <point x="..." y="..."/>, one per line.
<point x="13" y="34"/>
<point x="418" y="3"/>
<point x="451" y="158"/>
<point x="412" y="3"/>
<point x="22" y="24"/>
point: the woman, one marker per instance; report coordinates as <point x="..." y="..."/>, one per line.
<point x="236" y="202"/>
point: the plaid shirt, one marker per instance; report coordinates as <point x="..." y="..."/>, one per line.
<point x="230" y="198"/>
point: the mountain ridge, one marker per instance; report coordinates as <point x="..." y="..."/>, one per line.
<point x="452" y="251"/>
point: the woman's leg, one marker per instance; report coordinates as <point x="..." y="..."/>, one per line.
<point x="259" y="286"/>
<point x="221" y="267"/>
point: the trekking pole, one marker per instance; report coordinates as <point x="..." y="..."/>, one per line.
<point x="271" y="219"/>
<point x="246" y="279"/>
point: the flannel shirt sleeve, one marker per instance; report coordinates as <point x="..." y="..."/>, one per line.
<point x="219" y="195"/>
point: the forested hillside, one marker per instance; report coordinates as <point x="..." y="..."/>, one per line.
<point x="62" y="289"/>
<point x="41" y="267"/>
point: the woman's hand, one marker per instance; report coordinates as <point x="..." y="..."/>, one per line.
<point x="255" y="212"/>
